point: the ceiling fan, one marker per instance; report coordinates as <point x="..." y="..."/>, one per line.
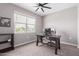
<point x="41" y="6"/>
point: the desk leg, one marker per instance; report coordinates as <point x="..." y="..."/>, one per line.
<point x="56" y="47"/>
<point x="41" y="39"/>
<point x="59" y="43"/>
<point x="12" y="41"/>
<point x="56" y="51"/>
<point x="37" y="41"/>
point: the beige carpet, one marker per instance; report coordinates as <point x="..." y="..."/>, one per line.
<point x="42" y="50"/>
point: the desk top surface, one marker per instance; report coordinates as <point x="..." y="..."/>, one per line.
<point x="55" y="35"/>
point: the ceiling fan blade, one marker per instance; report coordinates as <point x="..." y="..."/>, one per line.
<point x="44" y="3"/>
<point x="42" y="9"/>
<point x="47" y="7"/>
<point x="36" y="9"/>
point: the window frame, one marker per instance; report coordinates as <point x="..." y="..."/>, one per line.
<point x="31" y="24"/>
<point x="15" y="22"/>
<point x="16" y="12"/>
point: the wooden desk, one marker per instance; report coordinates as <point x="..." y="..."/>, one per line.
<point x="55" y="38"/>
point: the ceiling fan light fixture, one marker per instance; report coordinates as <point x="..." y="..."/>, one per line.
<point x="41" y="6"/>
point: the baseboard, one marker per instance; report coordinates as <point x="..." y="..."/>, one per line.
<point x="34" y="41"/>
<point x="24" y="43"/>
<point x="68" y="43"/>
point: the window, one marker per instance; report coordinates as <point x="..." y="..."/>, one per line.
<point x="30" y="24"/>
<point x="20" y="23"/>
<point x="24" y="24"/>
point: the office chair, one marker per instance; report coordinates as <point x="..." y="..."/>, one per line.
<point x="48" y="33"/>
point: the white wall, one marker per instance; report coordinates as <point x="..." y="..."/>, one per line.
<point x="65" y="23"/>
<point x="7" y="10"/>
<point x="78" y="24"/>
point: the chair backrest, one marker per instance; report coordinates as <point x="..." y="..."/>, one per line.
<point x="47" y="31"/>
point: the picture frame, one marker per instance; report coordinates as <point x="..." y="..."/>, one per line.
<point x="5" y="22"/>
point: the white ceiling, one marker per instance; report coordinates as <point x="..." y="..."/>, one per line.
<point x="55" y="7"/>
